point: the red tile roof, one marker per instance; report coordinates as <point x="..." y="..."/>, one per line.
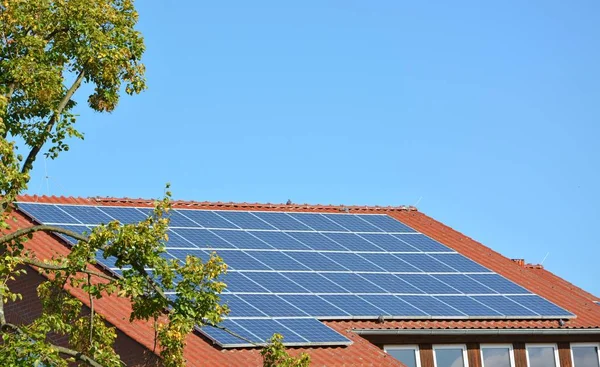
<point x="361" y="352"/>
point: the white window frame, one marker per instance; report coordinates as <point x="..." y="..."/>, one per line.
<point x="542" y="345"/>
<point x="451" y="346"/>
<point x="511" y="353"/>
<point x="596" y="345"/>
<point x="414" y="347"/>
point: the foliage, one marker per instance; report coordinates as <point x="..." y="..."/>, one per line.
<point x="275" y="355"/>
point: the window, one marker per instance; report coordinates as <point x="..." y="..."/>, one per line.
<point x="450" y="356"/>
<point x="542" y="355"/>
<point x="407" y="354"/>
<point x="585" y="354"/>
<point x="497" y="355"/>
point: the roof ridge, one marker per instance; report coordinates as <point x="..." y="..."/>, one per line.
<point x="213" y="204"/>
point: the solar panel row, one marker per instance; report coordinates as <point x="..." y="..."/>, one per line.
<point x="295" y="331"/>
<point x="326" y="222"/>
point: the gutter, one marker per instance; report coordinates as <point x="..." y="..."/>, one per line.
<point x="439" y="332"/>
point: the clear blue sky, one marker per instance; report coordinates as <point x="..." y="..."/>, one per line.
<point x="486" y="113"/>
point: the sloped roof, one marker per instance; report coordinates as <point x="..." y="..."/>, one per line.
<point x="361" y="352"/>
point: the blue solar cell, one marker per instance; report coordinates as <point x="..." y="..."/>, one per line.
<point x="272" y="305"/>
<point x="244" y="220"/>
<point x="109" y="262"/>
<point x="468" y="306"/>
<point x="464" y="284"/>
<point x="279" y="240"/>
<point x="427" y="284"/>
<point x="202" y="238"/>
<point x="353" y="242"/>
<point x="239" y="308"/>
<point x="541" y="306"/>
<point x="181" y="254"/>
<point x="386" y="223"/>
<point x="225" y="339"/>
<point x="178" y="219"/>
<point x="388" y="242"/>
<point x="352" y="222"/>
<point x="207" y="219"/>
<point x="47" y="213"/>
<point x="499" y="283"/>
<point x="504" y="305"/>
<point x="460" y="263"/>
<point x="314" y="306"/>
<point x="175" y="240"/>
<point x="352" y="261"/>
<point x="317" y="222"/>
<point x="275" y="282"/>
<point x="86" y="214"/>
<point x="391" y="283"/>
<point x="391" y="263"/>
<point x="315" y="261"/>
<point x="432" y="306"/>
<point x="423" y="243"/>
<point x="317" y="241"/>
<point x="82" y="230"/>
<point x="282" y="221"/>
<point x="393" y="306"/>
<point x="238" y="282"/>
<point x="278" y="260"/>
<point x="354" y="305"/>
<point x="264" y="330"/>
<point x="426" y="263"/>
<point x="125" y="215"/>
<point x="314" y="331"/>
<point x="241" y="239"/>
<point x="239" y="260"/>
<point x="314" y="282"/>
<point x="353" y="283"/>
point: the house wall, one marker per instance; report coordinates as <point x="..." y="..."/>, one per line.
<point x="25" y="311"/>
<point x="473" y="343"/>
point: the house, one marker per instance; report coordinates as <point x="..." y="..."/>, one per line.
<point x="457" y="303"/>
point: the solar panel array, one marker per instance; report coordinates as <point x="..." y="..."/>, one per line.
<point x="288" y="269"/>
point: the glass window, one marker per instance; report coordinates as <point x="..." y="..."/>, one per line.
<point x="585" y="355"/>
<point x="407" y="354"/>
<point x="542" y="355"/>
<point x="450" y="356"/>
<point x="497" y="355"/>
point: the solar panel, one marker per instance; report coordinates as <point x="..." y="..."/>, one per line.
<point x="307" y="266"/>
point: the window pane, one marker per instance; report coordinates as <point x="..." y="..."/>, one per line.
<point x="406" y="356"/>
<point x="449" y="358"/>
<point x="496" y="357"/>
<point x="585" y="356"/>
<point x="541" y="356"/>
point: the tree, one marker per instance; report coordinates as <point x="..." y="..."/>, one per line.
<point x="275" y="355"/>
<point x="48" y="49"/>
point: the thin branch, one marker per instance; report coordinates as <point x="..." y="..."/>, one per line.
<point x="2" y="316"/>
<point x="28" y="165"/>
<point x="55" y="32"/>
<point x="43" y="265"/>
<point x="43" y="228"/>
<point x="89" y="282"/>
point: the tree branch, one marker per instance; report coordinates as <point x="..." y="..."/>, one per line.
<point x="42" y="228"/>
<point x="77" y="355"/>
<point x="89" y="282"/>
<point x="43" y="265"/>
<point x="28" y="165"/>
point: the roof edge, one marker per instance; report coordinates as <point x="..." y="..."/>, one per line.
<point x="439" y="332"/>
<point x="97" y="200"/>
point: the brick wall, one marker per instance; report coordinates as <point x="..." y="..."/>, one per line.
<point x="25" y="311"/>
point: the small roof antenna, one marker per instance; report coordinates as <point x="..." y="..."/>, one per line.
<point x="289" y="202"/>
<point x="418" y="201"/>
<point x="544" y="259"/>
